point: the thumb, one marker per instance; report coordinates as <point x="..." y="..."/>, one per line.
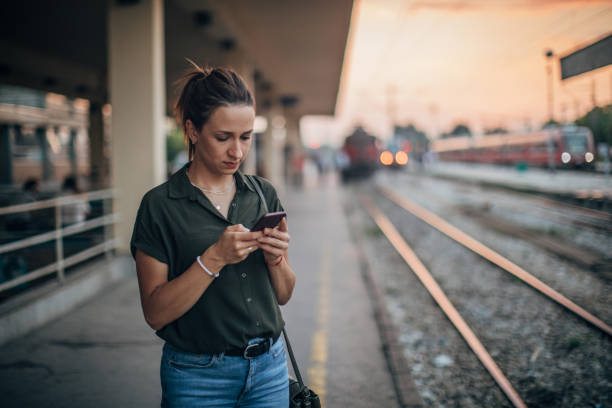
<point x="283" y="225"/>
<point x="237" y="228"/>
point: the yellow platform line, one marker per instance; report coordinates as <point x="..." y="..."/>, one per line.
<point x="317" y="369"/>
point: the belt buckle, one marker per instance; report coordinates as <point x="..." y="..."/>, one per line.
<point x="246" y="351"/>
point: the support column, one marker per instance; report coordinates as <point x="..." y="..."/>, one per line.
<point x="137" y="93"/>
<point x="6" y="157"/>
<point x="295" y="154"/>
<point x="97" y="157"/>
<point x="273" y="142"/>
<point x="47" y="165"/>
<point x="72" y="152"/>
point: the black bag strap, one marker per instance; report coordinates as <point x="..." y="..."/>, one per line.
<point x="296" y="370"/>
<point x="258" y="189"/>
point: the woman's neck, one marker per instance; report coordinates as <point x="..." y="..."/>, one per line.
<point x="200" y="176"/>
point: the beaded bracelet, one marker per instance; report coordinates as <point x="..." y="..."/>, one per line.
<point x="206" y="269"/>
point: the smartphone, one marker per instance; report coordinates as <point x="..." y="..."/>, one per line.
<point x="269" y="220"/>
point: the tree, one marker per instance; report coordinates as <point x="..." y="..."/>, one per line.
<point x="551" y="124"/>
<point x="175" y="143"/>
<point x="461" y="130"/>
<point x="599" y="120"/>
<point x="417" y="138"/>
<point x="495" y="131"/>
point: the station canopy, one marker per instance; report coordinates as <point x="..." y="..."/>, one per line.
<point x="296" y="48"/>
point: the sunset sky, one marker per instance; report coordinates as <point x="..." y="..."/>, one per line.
<point x="436" y="63"/>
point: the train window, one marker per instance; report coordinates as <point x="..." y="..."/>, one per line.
<point x="576" y="143"/>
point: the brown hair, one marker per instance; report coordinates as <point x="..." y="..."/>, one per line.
<point x="203" y="91"/>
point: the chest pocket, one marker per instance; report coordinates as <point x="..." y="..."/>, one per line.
<point x="196" y="241"/>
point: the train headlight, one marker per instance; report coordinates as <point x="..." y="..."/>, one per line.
<point x="588" y="156"/>
<point x="386" y="158"/>
<point x="401" y="158"/>
<point x="565" y="157"/>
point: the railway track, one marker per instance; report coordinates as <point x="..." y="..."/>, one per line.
<point x="575" y="229"/>
<point x="437" y="293"/>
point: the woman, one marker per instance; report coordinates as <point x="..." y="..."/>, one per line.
<point x="208" y="285"/>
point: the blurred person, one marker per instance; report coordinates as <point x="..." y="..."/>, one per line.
<point x="77" y="211"/>
<point x="209" y="286"/>
<point x="31" y="190"/>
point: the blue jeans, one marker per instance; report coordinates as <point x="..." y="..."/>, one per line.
<point x="217" y="380"/>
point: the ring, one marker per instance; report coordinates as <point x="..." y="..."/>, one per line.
<point x="249" y="249"/>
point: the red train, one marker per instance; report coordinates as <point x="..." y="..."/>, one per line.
<point x="567" y="146"/>
<point x="359" y="155"/>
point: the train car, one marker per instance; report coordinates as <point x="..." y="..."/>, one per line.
<point x="567" y="146"/>
<point x="360" y="155"/>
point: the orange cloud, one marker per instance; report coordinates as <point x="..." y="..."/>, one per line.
<point x="478" y="5"/>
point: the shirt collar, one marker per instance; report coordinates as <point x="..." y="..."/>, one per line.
<point x="179" y="185"/>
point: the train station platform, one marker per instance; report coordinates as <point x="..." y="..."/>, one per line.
<point x="561" y="182"/>
<point x="102" y="353"/>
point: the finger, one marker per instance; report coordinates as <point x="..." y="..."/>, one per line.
<point x="241" y="228"/>
<point x="247" y="244"/>
<point x="272" y="250"/>
<point x="244" y="252"/>
<point x="247" y="236"/>
<point x="237" y="228"/>
<point x="274" y="242"/>
<point x="275" y="233"/>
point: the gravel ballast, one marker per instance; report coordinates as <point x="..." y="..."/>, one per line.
<point x="551" y="357"/>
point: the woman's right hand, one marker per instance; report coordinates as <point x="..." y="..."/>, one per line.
<point x="235" y="244"/>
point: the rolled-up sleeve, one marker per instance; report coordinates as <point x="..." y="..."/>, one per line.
<point x="147" y="234"/>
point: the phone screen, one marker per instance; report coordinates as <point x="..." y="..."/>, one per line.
<point x="269" y="220"/>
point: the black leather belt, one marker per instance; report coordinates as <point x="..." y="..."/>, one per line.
<point x="252" y="350"/>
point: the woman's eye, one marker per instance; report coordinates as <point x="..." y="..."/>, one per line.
<point x="245" y="137"/>
<point x="222" y="139"/>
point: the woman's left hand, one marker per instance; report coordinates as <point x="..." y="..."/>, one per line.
<point x="275" y="242"/>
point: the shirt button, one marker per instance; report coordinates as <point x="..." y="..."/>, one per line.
<point x="257" y="323"/>
<point x="244" y="275"/>
<point x="233" y="204"/>
<point x="249" y="300"/>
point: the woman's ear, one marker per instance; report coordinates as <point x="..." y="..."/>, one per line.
<point x="192" y="133"/>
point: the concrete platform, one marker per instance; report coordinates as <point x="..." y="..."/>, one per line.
<point x="560" y="182"/>
<point x="102" y="354"/>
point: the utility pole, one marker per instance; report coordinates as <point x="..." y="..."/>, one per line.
<point x="549" y="54"/>
<point x="391" y="106"/>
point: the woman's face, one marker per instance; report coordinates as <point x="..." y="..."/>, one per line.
<point x="225" y="139"/>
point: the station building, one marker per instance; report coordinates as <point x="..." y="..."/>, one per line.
<point x="88" y="88"/>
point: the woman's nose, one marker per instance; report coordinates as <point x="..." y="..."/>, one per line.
<point x="235" y="150"/>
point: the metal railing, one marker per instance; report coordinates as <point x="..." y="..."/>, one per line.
<point x="61" y="263"/>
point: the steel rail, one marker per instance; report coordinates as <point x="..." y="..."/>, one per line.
<point x="492" y="256"/>
<point x="64" y="232"/>
<point x="59" y="201"/>
<point x="445" y="304"/>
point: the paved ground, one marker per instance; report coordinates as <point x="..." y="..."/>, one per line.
<point x="104" y="355"/>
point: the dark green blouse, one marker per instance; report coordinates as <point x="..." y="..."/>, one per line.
<point x="175" y="224"/>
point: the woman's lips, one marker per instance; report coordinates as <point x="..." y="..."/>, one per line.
<point x="231" y="165"/>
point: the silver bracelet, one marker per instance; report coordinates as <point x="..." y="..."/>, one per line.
<point x="206" y="269"/>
